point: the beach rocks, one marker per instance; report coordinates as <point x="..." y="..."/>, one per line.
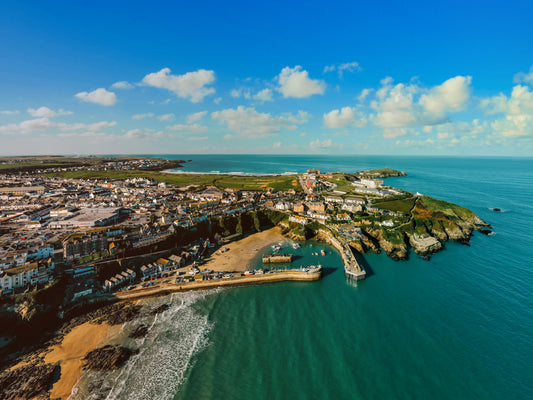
<point x="107" y="358"/>
<point x="118" y="314"/>
<point x="160" y="309"/>
<point x="28" y="382"/>
<point x="139" y="332"/>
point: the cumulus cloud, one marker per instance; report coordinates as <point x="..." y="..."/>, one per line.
<point x="411" y="105"/>
<point x="189" y="128"/>
<point x="452" y="95"/>
<point x="263" y="95"/>
<point x="46" y="112"/>
<point x="135" y="134"/>
<point x="517" y="111"/>
<point x="341" y="68"/>
<point x="196" y="117"/>
<point x="98" y="96"/>
<point x="337" y="119"/>
<point x="364" y="94"/>
<point x="122" y="85"/>
<point x="44" y="124"/>
<point x="320" y="144"/>
<point x="142" y="116"/>
<point x="166" y="117"/>
<point x="526" y="77"/>
<point x="192" y="85"/>
<point x="295" y="82"/>
<point x="247" y="122"/>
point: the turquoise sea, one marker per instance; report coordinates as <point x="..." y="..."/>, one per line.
<point x="459" y="326"/>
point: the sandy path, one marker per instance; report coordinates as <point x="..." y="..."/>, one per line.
<point x="241" y="252"/>
<point x="69" y="353"/>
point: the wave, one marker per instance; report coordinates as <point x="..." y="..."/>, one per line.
<point x="165" y="354"/>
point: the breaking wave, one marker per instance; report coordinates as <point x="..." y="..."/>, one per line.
<point x="165" y="354"/>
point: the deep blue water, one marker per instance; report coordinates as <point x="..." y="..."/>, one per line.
<point x="459" y="326"/>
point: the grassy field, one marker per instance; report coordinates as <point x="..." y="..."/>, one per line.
<point x="277" y="183"/>
<point x="403" y="205"/>
<point x="446" y="208"/>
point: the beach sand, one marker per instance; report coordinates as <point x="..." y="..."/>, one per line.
<point x="241" y="252"/>
<point x="70" y="352"/>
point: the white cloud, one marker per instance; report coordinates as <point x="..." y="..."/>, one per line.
<point x="397" y="105"/>
<point x="43" y="124"/>
<point x="46" y="112"/>
<point x="364" y="94"/>
<point x="196" y="117"/>
<point x="217" y="100"/>
<point x="318" y="144"/>
<point x="135" y="134"/>
<point x="247" y="122"/>
<point x="198" y="138"/>
<point x="9" y="112"/>
<point x="517" y="110"/>
<point x="295" y="82"/>
<point x="264" y="95"/>
<point x="336" y="119"/>
<point x="98" y="96"/>
<point x="390" y="133"/>
<point x="303" y="134"/>
<point x="526" y="77"/>
<point x="191" y="85"/>
<point x="301" y="118"/>
<point x="122" y="85"/>
<point x="142" y="116"/>
<point x="190" y="128"/>
<point x="277" y="145"/>
<point x="350" y="67"/>
<point x="166" y="117"/>
<point x="452" y="95"/>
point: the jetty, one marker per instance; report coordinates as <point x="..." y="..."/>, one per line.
<point x="352" y="269"/>
<point x="277" y="258"/>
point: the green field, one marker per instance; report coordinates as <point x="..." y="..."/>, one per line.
<point x="277" y="183"/>
<point x="397" y="205"/>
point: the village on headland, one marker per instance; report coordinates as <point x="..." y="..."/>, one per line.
<point x="77" y="234"/>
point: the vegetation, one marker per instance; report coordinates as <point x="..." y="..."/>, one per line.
<point x="403" y="204"/>
<point x="381" y="173"/>
<point x="261" y="183"/>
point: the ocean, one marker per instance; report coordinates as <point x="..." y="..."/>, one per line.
<point x="459" y="326"/>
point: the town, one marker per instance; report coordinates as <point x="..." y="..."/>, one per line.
<point x="108" y="235"/>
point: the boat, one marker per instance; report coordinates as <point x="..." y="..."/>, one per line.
<point x="295" y="246"/>
<point x="248" y="273"/>
<point x="322" y="252"/>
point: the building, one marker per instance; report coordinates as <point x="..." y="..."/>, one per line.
<point x="24" y="275"/>
<point x="299" y="220"/>
<point x="81" y="246"/>
<point x="317" y="207"/>
<point x="22" y="190"/>
<point x="354" y="200"/>
<point x="90" y="217"/>
<point x="333" y="199"/>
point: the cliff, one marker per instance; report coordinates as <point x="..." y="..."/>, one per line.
<point x="431" y="222"/>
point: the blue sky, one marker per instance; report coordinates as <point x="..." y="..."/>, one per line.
<point x="277" y="77"/>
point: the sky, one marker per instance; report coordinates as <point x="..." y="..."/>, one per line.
<point x="276" y="77"/>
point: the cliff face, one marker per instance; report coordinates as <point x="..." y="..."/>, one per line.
<point x="432" y="222"/>
<point x="395" y="247"/>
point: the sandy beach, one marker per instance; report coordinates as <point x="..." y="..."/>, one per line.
<point x="70" y="352"/>
<point x="241" y="252"/>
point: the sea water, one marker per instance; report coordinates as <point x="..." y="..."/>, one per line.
<point x="459" y="326"/>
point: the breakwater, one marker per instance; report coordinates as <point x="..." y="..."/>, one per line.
<point x="352" y="269"/>
<point x="306" y="274"/>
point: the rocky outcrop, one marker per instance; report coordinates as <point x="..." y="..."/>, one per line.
<point x="28" y="382"/>
<point x="118" y="314"/>
<point x="107" y="358"/>
<point x="397" y="250"/>
<point x="139" y="332"/>
<point x="424" y="244"/>
<point x="160" y="309"/>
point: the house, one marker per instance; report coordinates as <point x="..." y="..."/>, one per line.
<point x="299" y="207"/>
<point x="298" y="219"/>
<point x="317" y="207"/>
<point x="334" y="199"/>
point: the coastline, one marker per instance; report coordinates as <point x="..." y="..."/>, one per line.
<point x="69" y="353"/>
